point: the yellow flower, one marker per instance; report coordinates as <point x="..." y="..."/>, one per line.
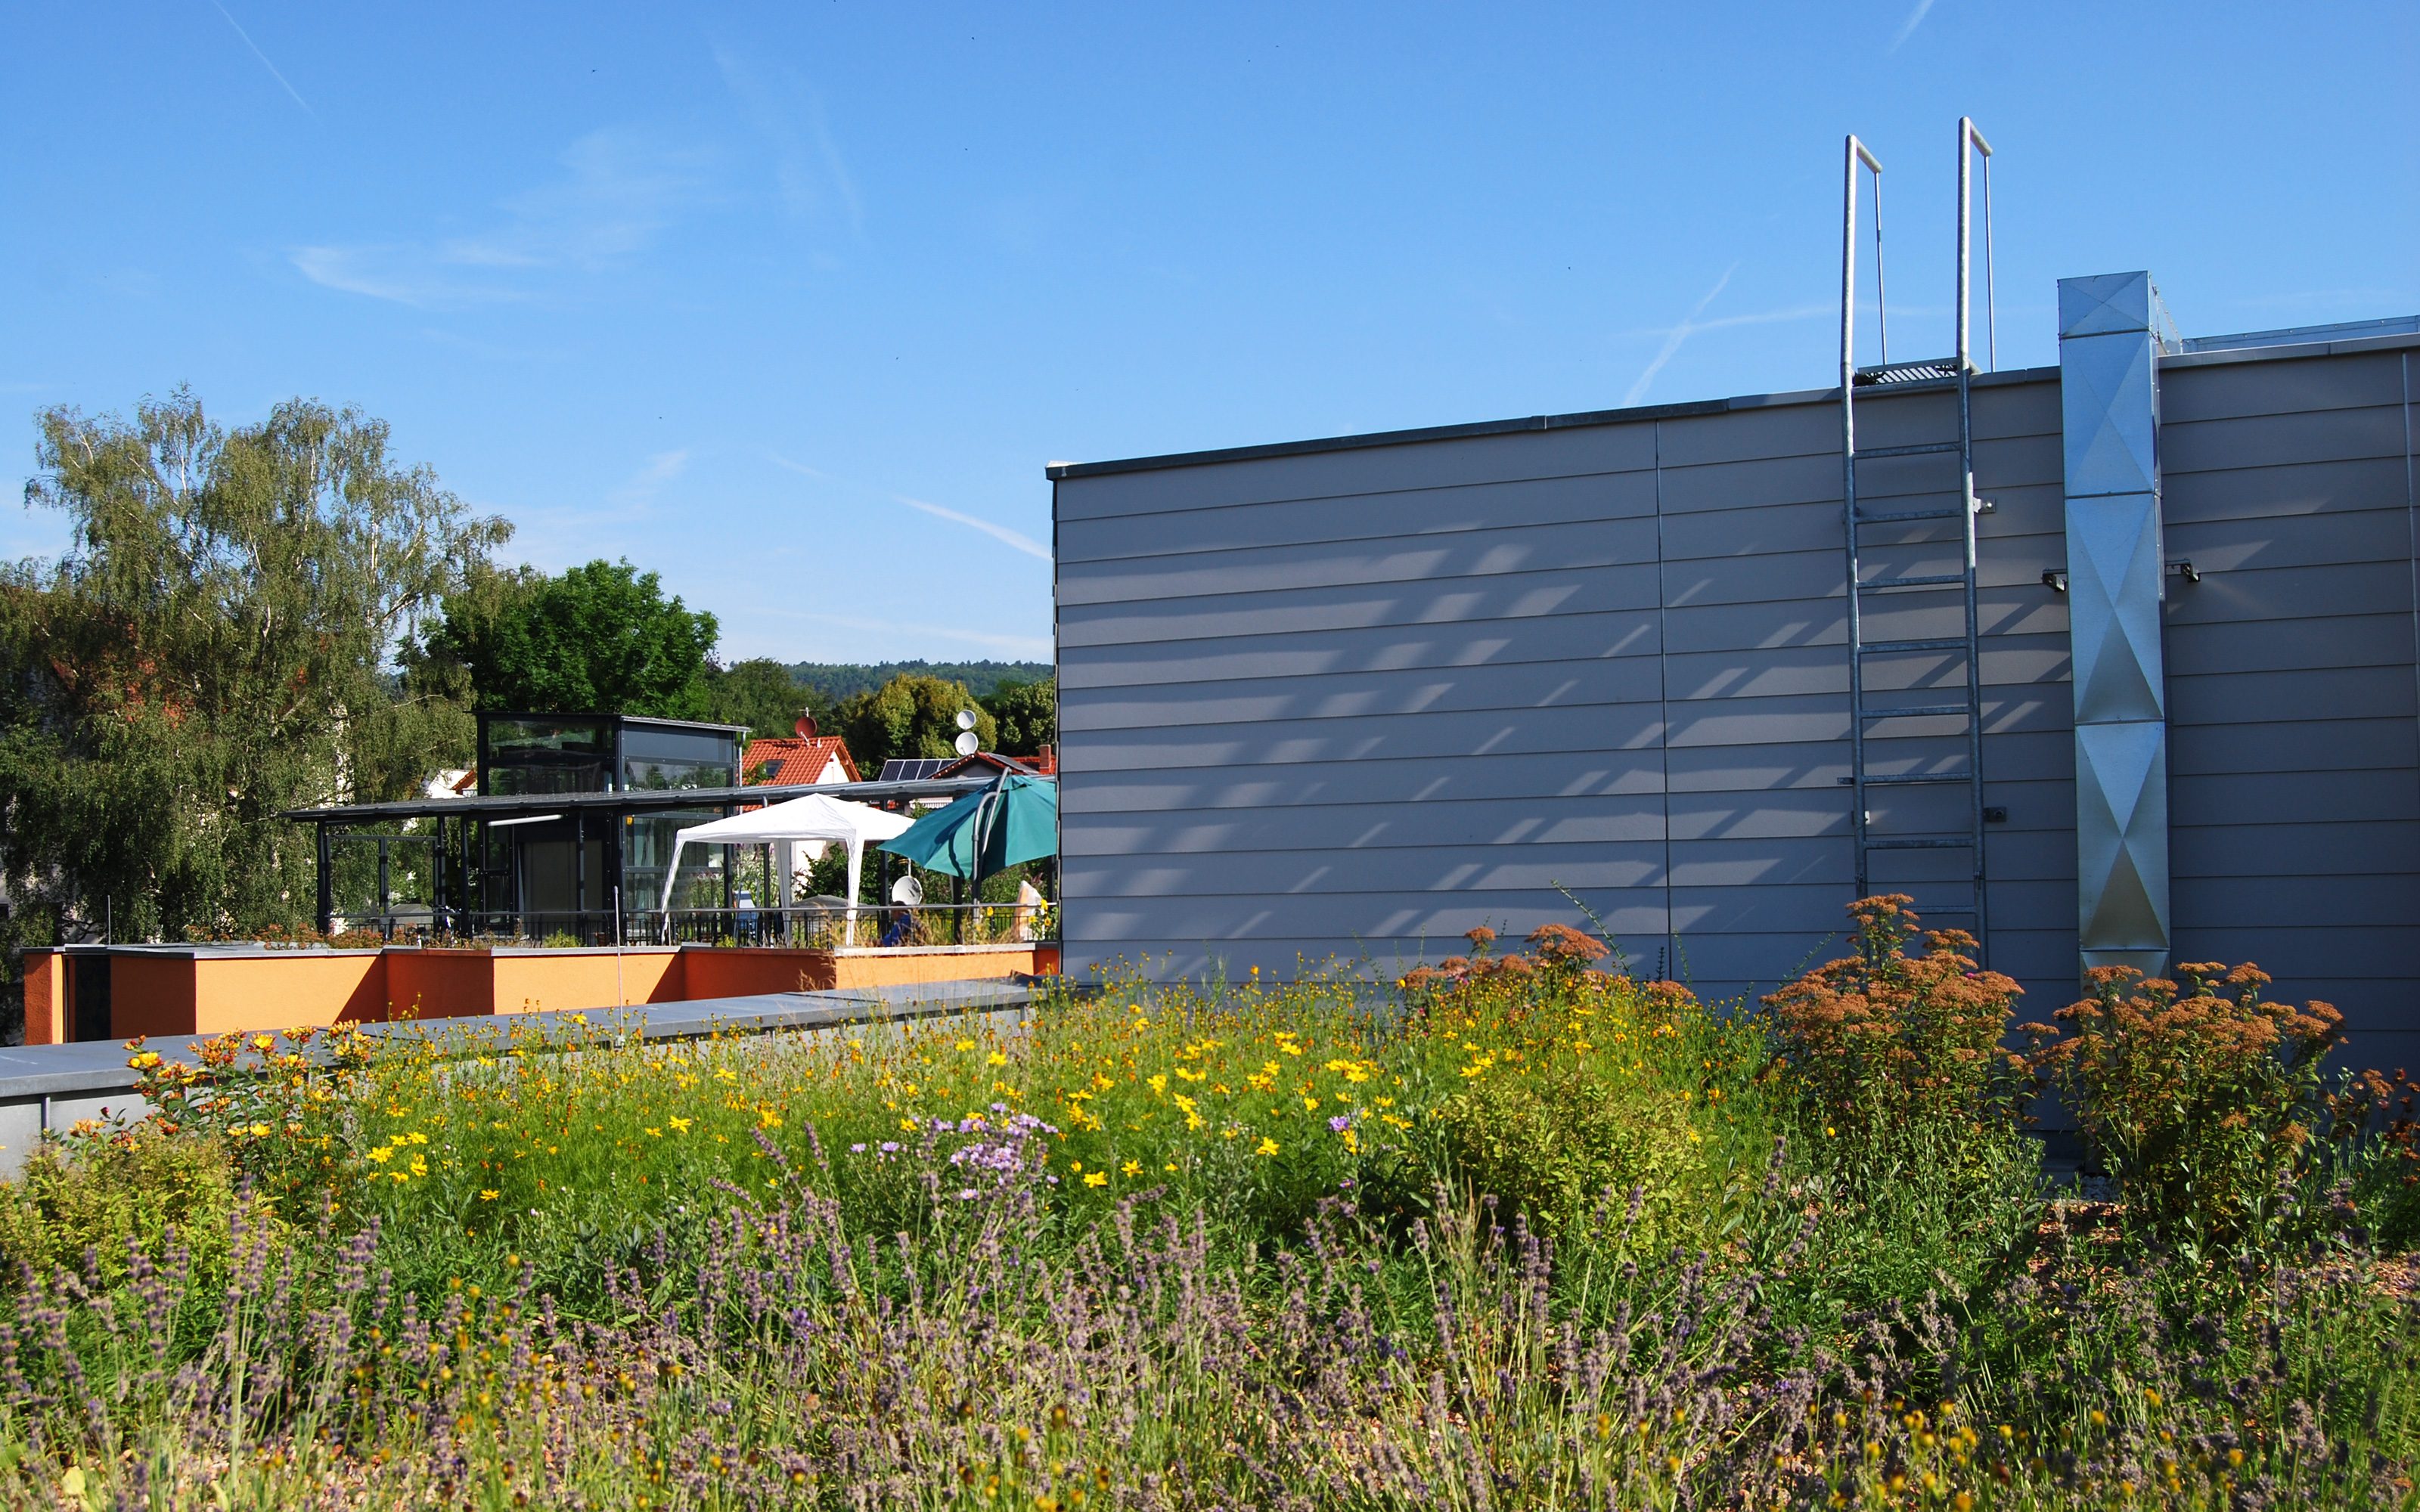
<point x="380" y="1154"/>
<point x="488" y="1195"/>
<point x="1269" y="1146"/>
<point x="262" y="1042"/>
<point x="417" y="1137"/>
<point x="998" y="1059"/>
<point x="260" y="1131"/>
<point x="1311" y="1105"/>
<point x="679" y="1125"/>
<point x="1097" y="1179"/>
<point x="1132" y="1167"/>
<point x="655" y="1134"/>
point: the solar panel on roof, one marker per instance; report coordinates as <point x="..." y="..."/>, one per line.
<point x="910" y="768"/>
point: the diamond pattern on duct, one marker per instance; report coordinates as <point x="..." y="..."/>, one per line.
<point x="2104" y="303"/>
<point x="2121" y="814"/>
<point x="2109" y="408"/>
<point x="2113" y="564"/>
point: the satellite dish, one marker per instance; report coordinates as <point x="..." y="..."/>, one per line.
<point x="966" y="718"/>
<point x="907" y="893"/>
<point x="967" y="743"/>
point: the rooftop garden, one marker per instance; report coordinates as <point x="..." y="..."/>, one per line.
<point x="1518" y="1231"/>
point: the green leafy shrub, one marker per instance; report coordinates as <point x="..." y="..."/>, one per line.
<point x="109" y="1193"/>
<point x="2200" y="1102"/>
<point x="1882" y="1042"/>
<point x="1549" y="1146"/>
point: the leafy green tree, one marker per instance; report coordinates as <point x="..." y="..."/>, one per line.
<point x="1026" y="714"/>
<point x="910" y="716"/>
<point x="601" y="639"/>
<point x="218" y="644"/>
<point x="761" y="694"/>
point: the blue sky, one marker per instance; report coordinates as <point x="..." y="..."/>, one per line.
<point x="793" y="303"/>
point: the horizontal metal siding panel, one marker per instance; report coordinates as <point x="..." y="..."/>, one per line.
<point x="1311" y="611"/>
<point x="2228" y="905"/>
<point x="1326" y="566"/>
<point x="2230" y="647"/>
<point x="2296" y="592"/>
<point x="2381" y="847"/>
<point x="1427" y="690"/>
<point x="2282" y="492"/>
<point x="1511" y="823"/>
<point x="1418" y="512"/>
<point x="1336" y="922"/>
<point x="1352" y="874"/>
<point x="1475" y="643"/>
<point x="1781" y="480"/>
<point x="2279" y="440"/>
<point x="1159" y="789"/>
<point x="1476" y="459"/>
<point x="2236" y="699"/>
<point x="1373" y="738"/>
<point x="2313" y="745"/>
<point x="2239" y="391"/>
<point x="2339" y="534"/>
<point x="2256" y="800"/>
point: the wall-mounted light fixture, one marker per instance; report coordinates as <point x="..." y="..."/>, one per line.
<point x="2054" y="579"/>
<point x="2184" y="568"/>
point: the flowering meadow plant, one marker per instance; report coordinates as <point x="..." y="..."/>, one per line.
<point x="1883" y="1040"/>
<point x="2202" y="1098"/>
<point x="1521" y="1233"/>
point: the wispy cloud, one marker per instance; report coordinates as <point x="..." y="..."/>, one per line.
<point x="264" y="61"/>
<point x="1687" y="328"/>
<point x="1026" y="544"/>
<point x="1018" y="539"/>
<point x="620" y="189"/>
<point x="662" y="469"/>
<point x="1035" y="646"/>
<point x="1907" y="28"/>
<point x="789" y="114"/>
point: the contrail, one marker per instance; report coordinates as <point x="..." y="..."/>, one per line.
<point x="1907" y="28"/>
<point x="1026" y="544"/>
<point x="1672" y="342"/>
<point x="281" y="78"/>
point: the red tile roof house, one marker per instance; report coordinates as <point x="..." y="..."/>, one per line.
<point x="807" y="757"/>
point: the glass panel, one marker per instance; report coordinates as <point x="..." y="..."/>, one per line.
<point x="547" y="753"/>
<point x="647" y="847"/>
<point x="657" y="758"/>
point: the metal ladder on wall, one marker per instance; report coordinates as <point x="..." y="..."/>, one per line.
<point x="1908" y="831"/>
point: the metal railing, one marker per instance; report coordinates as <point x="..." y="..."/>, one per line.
<point x="807" y="926"/>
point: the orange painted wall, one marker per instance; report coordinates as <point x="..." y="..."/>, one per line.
<point x="896" y="970"/>
<point x="175" y="993"/>
<point x="277" y="991"/>
<point x="43" y="1006"/>
<point x="440" y="984"/>
<point x="710" y="972"/>
<point x="584" y="979"/>
<point x="150" y="995"/>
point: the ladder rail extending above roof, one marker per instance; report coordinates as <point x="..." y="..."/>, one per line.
<point x="1865" y="778"/>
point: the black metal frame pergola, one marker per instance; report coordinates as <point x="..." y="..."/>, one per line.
<point x="601" y="811"/>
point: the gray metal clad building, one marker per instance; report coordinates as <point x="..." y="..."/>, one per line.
<point x="1351" y="698"/>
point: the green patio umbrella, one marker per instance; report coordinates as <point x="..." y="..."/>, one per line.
<point x="1015" y="819"/>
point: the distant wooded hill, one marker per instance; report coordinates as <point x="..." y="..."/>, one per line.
<point x="839" y="680"/>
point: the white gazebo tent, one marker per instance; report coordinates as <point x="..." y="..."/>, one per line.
<point x="817" y="819"/>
